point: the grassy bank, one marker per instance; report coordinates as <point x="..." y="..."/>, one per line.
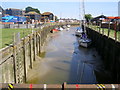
<point x="8" y="34"/>
<point x="105" y="32"/>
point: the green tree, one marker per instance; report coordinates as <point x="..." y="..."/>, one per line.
<point x="56" y="18"/>
<point x="88" y="17"/>
<point x="28" y="9"/>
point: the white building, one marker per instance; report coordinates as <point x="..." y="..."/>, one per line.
<point x="119" y="8"/>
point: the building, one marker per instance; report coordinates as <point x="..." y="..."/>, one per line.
<point x="33" y="16"/>
<point x="119" y="8"/>
<point x="1" y="13"/>
<point x="67" y="20"/>
<point x="47" y="16"/>
<point x="14" y="12"/>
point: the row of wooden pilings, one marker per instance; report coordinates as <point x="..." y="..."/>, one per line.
<point x="17" y="59"/>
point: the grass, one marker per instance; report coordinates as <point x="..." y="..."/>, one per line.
<point x="105" y="32"/>
<point x="7" y="35"/>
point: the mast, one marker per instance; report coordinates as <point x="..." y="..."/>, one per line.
<point x="80" y="13"/>
<point x="83" y="8"/>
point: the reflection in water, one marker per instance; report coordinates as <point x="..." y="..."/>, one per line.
<point x="65" y="61"/>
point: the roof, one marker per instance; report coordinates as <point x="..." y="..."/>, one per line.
<point x="32" y="12"/>
<point x="113" y="17"/>
<point x="1" y="8"/>
<point x="97" y="18"/>
<point x="47" y="13"/>
<point x="13" y="9"/>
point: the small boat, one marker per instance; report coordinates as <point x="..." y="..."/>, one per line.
<point x="60" y="29"/>
<point x="67" y="29"/>
<point x="68" y="26"/>
<point x="64" y="27"/>
<point x="78" y="32"/>
<point x="84" y="42"/>
<point x="54" y="30"/>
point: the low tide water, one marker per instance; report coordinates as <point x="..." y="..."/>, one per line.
<point x="65" y="61"/>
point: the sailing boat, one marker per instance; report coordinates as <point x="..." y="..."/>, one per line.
<point x="84" y="41"/>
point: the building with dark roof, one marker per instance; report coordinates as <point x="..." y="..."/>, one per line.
<point x="14" y="12"/>
<point x="47" y="16"/>
<point x="33" y="15"/>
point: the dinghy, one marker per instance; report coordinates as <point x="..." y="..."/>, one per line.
<point x="54" y="30"/>
<point x="78" y="32"/>
<point x="60" y="29"/>
<point x="84" y="42"/>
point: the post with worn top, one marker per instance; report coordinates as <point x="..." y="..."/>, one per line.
<point x="108" y="30"/>
<point x="39" y="42"/>
<point x="34" y="45"/>
<point x="24" y="55"/>
<point x="115" y="35"/>
<point x="31" y="63"/>
<point x="14" y="62"/>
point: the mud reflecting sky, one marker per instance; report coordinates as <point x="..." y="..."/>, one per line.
<point x="65" y="61"/>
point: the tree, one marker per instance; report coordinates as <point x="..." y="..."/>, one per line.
<point x="56" y="18"/>
<point x="28" y="9"/>
<point x="88" y="17"/>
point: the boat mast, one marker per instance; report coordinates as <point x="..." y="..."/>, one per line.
<point x="80" y="13"/>
<point x="83" y="8"/>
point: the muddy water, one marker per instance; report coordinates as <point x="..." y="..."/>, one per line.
<point x="64" y="61"/>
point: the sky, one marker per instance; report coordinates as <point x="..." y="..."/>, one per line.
<point x="67" y="9"/>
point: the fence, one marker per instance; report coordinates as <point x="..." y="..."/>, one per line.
<point x="109" y="30"/>
<point x="33" y="25"/>
<point x="19" y="25"/>
<point x="18" y="58"/>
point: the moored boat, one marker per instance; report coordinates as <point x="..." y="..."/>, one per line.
<point x="54" y="30"/>
<point x="84" y="42"/>
<point x="68" y="26"/>
<point x="60" y="29"/>
<point x="78" y="32"/>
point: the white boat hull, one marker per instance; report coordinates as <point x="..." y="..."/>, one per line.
<point x="85" y="43"/>
<point x="68" y="26"/>
<point x="78" y="33"/>
<point x="60" y="29"/>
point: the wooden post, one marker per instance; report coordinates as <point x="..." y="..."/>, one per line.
<point x="24" y="55"/>
<point x="115" y="27"/>
<point x="14" y="59"/>
<point x="39" y="43"/>
<point x="108" y="30"/>
<point x="34" y="45"/>
<point x="99" y="27"/>
<point x="31" y="63"/>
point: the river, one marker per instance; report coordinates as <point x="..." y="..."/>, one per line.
<point x="63" y="60"/>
